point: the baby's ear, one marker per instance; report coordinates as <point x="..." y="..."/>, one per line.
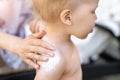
<point x="66" y="17"/>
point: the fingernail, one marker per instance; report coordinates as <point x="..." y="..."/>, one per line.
<point x="53" y="48"/>
<point x="47" y="59"/>
<point x="36" y="66"/>
<point x="51" y="54"/>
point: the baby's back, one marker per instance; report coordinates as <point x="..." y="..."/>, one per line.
<point x="72" y="67"/>
<point x="65" y="65"/>
<point x="60" y="68"/>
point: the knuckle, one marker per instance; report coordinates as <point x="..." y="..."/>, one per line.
<point x="24" y="50"/>
<point x="28" y="41"/>
<point x="30" y="62"/>
<point x="25" y="43"/>
<point x="40" y="42"/>
<point x="37" y="57"/>
<point x="24" y="60"/>
<point x="30" y="55"/>
<point x="36" y="49"/>
<point x="24" y="47"/>
<point x="44" y="51"/>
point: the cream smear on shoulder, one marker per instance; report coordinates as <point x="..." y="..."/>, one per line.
<point x="53" y="62"/>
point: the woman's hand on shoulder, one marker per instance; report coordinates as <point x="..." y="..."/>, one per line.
<point x="32" y="48"/>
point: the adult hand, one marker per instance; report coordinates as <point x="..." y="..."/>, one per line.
<point x="34" y="27"/>
<point x="32" y="48"/>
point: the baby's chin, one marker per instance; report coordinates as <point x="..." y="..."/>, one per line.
<point x="85" y="36"/>
<point x="91" y="31"/>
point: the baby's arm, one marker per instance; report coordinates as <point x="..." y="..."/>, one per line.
<point x="51" y="70"/>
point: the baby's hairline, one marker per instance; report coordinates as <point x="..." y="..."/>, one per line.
<point x="53" y="14"/>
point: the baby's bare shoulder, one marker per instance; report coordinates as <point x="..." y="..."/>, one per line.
<point x="54" y="64"/>
<point x="51" y="70"/>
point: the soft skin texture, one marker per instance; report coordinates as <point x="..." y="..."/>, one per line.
<point x="66" y="64"/>
<point x="52" y="68"/>
<point x="25" y="48"/>
<point x="84" y="18"/>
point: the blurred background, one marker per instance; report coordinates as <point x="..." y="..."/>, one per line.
<point x="99" y="53"/>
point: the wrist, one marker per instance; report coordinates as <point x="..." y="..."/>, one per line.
<point x="16" y="46"/>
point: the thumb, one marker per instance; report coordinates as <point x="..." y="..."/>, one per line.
<point x="40" y="34"/>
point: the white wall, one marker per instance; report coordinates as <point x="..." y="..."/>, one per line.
<point x="107" y="7"/>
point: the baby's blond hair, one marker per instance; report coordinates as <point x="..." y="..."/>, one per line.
<point x="49" y="10"/>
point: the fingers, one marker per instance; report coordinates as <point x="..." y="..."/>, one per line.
<point x="37" y="27"/>
<point x="31" y="63"/>
<point x="34" y="27"/>
<point x="41" y="43"/>
<point x="39" y="35"/>
<point x="37" y="57"/>
<point x="41" y="50"/>
<point x="38" y="42"/>
<point x="32" y="57"/>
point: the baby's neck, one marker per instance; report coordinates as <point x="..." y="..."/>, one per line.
<point x="58" y="36"/>
<point x="57" y="33"/>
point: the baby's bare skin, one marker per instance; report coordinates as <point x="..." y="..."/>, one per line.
<point x="64" y="66"/>
<point x="72" y="66"/>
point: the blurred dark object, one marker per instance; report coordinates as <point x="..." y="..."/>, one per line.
<point x="25" y="75"/>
